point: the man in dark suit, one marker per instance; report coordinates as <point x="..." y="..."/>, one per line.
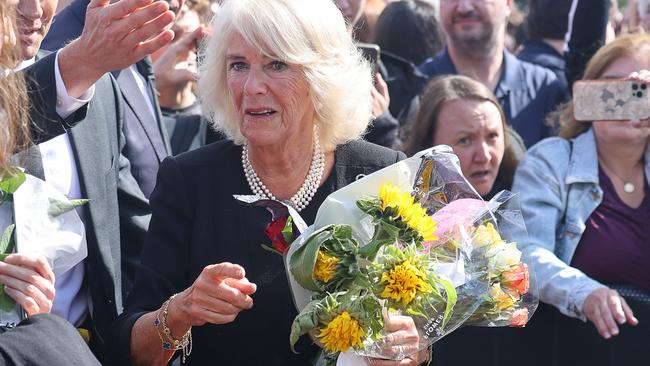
<point x="147" y="142"/>
<point x="87" y="160"/>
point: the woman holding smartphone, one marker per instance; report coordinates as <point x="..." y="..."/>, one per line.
<point x="586" y="201"/>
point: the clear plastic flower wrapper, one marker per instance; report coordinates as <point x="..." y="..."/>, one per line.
<point x="412" y="239"/>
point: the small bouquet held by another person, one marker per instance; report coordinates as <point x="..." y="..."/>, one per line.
<point x="413" y="239"/>
<point x="37" y="219"/>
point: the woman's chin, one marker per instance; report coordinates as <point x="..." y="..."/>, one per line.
<point x="483" y="187"/>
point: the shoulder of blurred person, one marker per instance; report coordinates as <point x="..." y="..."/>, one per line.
<point x="403" y="78"/>
<point x="527" y="93"/>
<point x="540" y="53"/>
<point x="67" y="25"/>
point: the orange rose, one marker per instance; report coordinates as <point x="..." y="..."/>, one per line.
<point x="519" y="318"/>
<point x="516" y="280"/>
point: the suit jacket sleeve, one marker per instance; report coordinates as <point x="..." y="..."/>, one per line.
<point x="164" y="256"/>
<point x="41" y="89"/>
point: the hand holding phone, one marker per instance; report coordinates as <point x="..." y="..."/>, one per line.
<point x="611" y="100"/>
<point x="372" y="53"/>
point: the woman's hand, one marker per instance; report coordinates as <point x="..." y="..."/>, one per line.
<point x="605" y="307"/>
<point x="642" y="76"/>
<point x="29" y="280"/>
<point x="380" y="97"/>
<point x="217" y="296"/>
<point x="403" y="340"/>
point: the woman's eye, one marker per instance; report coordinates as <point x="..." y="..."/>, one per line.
<point x="277" y="65"/>
<point x="493" y="136"/>
<point x="237" y="66"/>
<point x="464" y="141"/>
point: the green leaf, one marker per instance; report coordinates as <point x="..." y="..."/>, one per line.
<point x="271" y="249"/>
<point x="452" y="297"/>
<point x="301" y="263"/>
<point x="6" y="242"/>
<point x="57" y="207"/>
<point x="13" y="182"/>
<point x="287" y="231"/>
<point x="304" y="322"/>
<point x="6" y="302"/>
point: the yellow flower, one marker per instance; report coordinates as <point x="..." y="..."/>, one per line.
<point x="341" y="333"/>
<point x="404" y="282"/>
<point x="408" y="210"/>
<point x="502" y="300"/>
<point x="486" y="235"/>
<point x="325" y="267"/>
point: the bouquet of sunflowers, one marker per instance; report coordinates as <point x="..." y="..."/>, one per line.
<point x="411" y="239"/>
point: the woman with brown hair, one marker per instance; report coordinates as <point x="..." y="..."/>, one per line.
<point x="13" y="96"/>
<point x="585" y="197"/>
<point x="462" y="113"/>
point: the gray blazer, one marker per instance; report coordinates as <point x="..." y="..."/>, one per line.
<point x="117" y="216"/>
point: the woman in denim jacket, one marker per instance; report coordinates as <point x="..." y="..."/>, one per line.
<point x="586" y="202"/>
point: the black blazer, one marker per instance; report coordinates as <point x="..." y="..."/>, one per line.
<point x="197" y="222"/>
<point x="117" y="216"/>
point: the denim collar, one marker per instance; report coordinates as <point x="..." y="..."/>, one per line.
<point x="512" y="76"/>
<point x="583" y="165"/>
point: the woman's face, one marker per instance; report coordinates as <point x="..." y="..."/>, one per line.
<point x="271" y="97"/>
<point x="623" y="131"/>
<point x="474" y="130"/>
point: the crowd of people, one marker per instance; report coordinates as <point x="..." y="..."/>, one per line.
<point x="158" y="112"/>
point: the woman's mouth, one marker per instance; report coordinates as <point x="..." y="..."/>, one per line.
<point x="260" y="113"/>
<point x="480" y="175"/>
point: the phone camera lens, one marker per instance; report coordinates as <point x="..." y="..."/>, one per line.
<point x="644" y="87"/>
<point x="639" y="94"/>
<point x="635" y="87"/>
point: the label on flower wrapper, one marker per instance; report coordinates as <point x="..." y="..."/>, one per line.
<point x="434" y="327"/>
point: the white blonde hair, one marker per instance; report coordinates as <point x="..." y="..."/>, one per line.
<point x="308" y="33"/>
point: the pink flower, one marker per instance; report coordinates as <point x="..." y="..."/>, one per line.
<point x="519" y="318"/>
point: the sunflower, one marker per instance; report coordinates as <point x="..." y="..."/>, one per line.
<point x="404" y="282"/>
<point x="325" y="267"/>
<point x="341" y="333"/>
<point x="414" y="215"/>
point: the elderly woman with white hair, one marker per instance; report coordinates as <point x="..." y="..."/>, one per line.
<point x="284" y="82"/>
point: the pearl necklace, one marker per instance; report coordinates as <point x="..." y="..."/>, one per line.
<point x="301" y="199"/>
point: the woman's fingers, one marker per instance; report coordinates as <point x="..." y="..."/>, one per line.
<point x="599" y="323"/>
<point x="616" y="307"/>
<point x="242" y="285"/>
<point x="219" y="293"/>
<point x="629" y="314"/>
<point x="31" y="304"/>
<point x="30" y="280"/>
<point x="37" y="263"/>
<point x="608" y="318"/>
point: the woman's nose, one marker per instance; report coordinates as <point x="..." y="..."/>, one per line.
<point x="482" y="152"/>
<point x="255" y="83"/>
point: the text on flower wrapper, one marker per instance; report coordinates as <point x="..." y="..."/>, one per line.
<point x="433" y="326"/>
